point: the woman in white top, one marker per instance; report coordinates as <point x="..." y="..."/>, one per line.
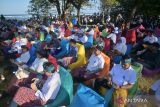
<point x="119" y="50"/>
<point x="121" y="47"/>
<point x="39" y="93"/>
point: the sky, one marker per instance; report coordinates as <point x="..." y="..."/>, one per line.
<point x="12" y="7"/>
<point x="8" y="7"/>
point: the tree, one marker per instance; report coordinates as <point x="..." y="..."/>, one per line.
<point x="145" y="7"/>
<point x="106" y="5"/>
<point x="61" y="6"/>
<point x="39" y="7"/>
<point x="78" y="5"/>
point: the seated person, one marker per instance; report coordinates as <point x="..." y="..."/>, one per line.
<point x="37" y="65"/>
<point x="95" y="64"/>
<point x="39" y="93"/>
<point x="148" y="40"/>
<point x="23" y="59"/>
<point x="81" y="59"/>
<point x="70" y="58"/>
<point x="82" y="37"/>
<point x="119" y="50"/>
<point x="62" y="50"/>
<point x="121" y="77"/>
<point x="151" y="57"/>
<point x="15" y="47"/>
<point x="120" y="47"/>
<point x="151" y="38"/>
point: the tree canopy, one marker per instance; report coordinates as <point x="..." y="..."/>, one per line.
<point x="132" y="7"/>
<point x="39" y="7"/>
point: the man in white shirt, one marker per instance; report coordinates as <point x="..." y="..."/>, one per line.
<point x="51" y="86"/>
<point x="122" y="77"/>
<point x="40" y="95"/>
<point x="95" y="64"/>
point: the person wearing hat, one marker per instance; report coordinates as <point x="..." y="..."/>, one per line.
<point x="122" y="77"/>
<point x="40" y="92"/>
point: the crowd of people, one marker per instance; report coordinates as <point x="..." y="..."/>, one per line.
<point x="98" y="55"/>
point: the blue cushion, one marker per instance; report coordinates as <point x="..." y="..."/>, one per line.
<point x="129" y="48"/>
<point x="117" y="59"/>
<point x="33" y="56"/>
<point x="64" y="49"/>
<point x="89" y="43"/>
<point x="86" y="97"/>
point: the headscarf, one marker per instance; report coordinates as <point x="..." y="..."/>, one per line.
<point x="120" y="46"/>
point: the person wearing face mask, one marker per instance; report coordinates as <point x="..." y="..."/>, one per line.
<point x="122" y="77"/>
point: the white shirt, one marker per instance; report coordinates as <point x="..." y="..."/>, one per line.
<point x="18" y="44"/>
<point x="38" y="65"/>
<point x="24" y="57"/>
<point x="23" y="41"/>
<point x="113" y="37"/>
<point x="151" y="39"/>
<point x="91" y="32"/>
<point x="122" y="77"/>
<point x="83" y="39"/>
<point x="50" y="88"/>
<point x="95" y="62"/>
<point x="121" y="48"/>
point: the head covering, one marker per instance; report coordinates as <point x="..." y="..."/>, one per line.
<point x="120" y="46"/>
<point x="126" y="61"/>
<point x="48" y="67"/>
<point x="53" y="61"/>
<point x="123" y="40"/>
